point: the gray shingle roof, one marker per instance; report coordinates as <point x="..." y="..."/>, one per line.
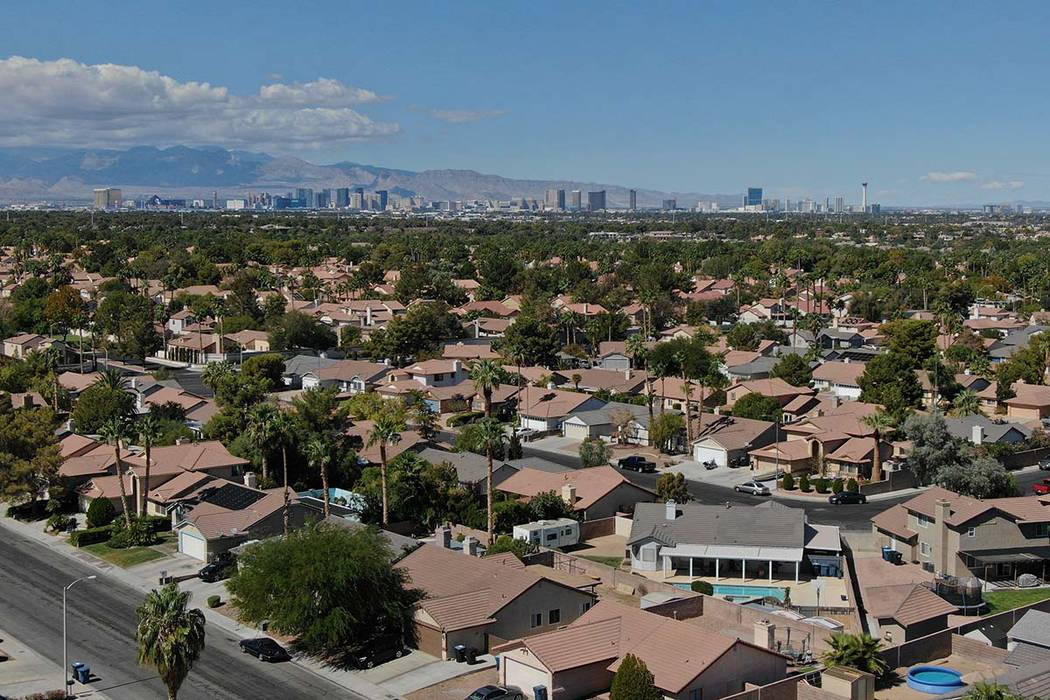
<point x="752" y="526"/>
<point x="1033" y="627"/>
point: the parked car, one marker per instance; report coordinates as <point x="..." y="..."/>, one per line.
<point x="740" y="461"/>
<point x="638" y="463"/>
<point x="496" y="692"/>
<point x="845" y="497"/>
<point x="1042" y="488"/>
<point x="753" y="487"/>
<point x="1044" y="465"/>
<point x="265" y="649"/>
<point x="710" y="464"/>
<point x="379" y="650"/>
<point x="217" y="570"/>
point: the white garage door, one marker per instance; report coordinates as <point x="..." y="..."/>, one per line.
<point x="702" y="453"/>
<point x="575" y="431"/>
<point x="193" y="546"/>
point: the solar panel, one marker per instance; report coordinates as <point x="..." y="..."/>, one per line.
<point x="232" y="497"/>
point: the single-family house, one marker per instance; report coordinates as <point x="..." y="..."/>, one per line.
<point x="594" y="492"/>
<point x="727" y="440"/>
<point x="839" y="378"/>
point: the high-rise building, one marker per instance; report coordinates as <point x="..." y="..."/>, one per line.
<point x="754" y="197"/>
<point x="632" y="199"/>
<point x="383" y="198"/>
<point x="554" y="199"/>
<point x="670" y="205"/>
<point x="342" y="197"/>
<point x="596" y="200"/>
<point x="840" y="205"/>
<point x="575" y="200"/>
<point x="107" y="198"/>
<point x="319" y="200"/>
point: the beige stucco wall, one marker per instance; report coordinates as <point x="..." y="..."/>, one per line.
<point x="623" y="496"/>
<point x="520" y="668"/>
<point x="513" y="621"/>
<point x="741" y="664"/>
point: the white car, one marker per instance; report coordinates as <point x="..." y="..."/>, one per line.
<point x="754" y="488"/>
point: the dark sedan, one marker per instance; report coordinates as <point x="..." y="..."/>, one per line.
<point x="265" y="649"/>
<point x="496" y="692"/>
<point x="847" y="497"/>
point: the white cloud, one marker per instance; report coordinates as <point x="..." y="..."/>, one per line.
<point x="64" y="102"/>
<point x="460" y="116"/>
<point x="1002" y="185"/>
<point x="953" y="176"/>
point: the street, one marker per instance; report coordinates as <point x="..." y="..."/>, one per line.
<point x="102" y="633"/>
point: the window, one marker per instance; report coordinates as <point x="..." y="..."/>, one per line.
<point x="696" y="694"/>
<point x="971" y="532"/>
<point x="554" y="616"/>
<point x="584" y="607"/>
<point x="925" y="549"/>
<point x="537" y="620"/>
<point x="551" y="536"/>
<point x="922" y="521"/>
<point x="648" y="553"/>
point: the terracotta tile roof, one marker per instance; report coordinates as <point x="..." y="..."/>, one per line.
<point x="907" y="603"/>
<point x="1029" y="395"/>
<point x="774" y="387"/>
<point x="550" y="403"/>
<point x="74" y="444"/>
<point x="214" y="521"/>
<point x="592" y="484"/>
<point x="107" y="486"/>
<point x="197" y="456"/>
<point x="178" y="486"/>
<point x="894" y="521"/>
<point x="841" y="373"/>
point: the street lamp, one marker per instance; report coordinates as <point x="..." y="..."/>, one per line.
<point x="66" y="681"/>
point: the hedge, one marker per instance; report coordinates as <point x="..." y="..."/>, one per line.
<point x="464" y="418"/>
<point x="157" y="523"/>
<point x="91" y="535"/>
<point x="31" y="510"/>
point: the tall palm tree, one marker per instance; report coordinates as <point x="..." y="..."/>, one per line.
<point x="859" y="651"/>
<point x="112" y="379"/>
<point x="636" y="350"/>
<point x="966" y="403"/>
<point x="260" y="432"/>
<point x="115" y="430"/>
<point x="486" y="375"/>
<point x="170" y="637"/>
<point x="880" y="422"/>
<point x="282" y="431"/>
<point x="492" y="438"/>
<point x="149" y="431"/>
<point x="318" y="452"/>
<point x="386" y="430"/>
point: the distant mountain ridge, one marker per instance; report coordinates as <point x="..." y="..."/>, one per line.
<point x="27" y="174"/>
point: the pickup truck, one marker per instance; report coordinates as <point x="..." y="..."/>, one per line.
<point x="1042" y="488"/>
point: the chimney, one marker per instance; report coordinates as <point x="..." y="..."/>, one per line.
<point x="457" y="366"/>
<point x="670" y="510"/>
<point x="470" y="546"/>
<point x="765" y="633"/>
<point x="250" y="481"/>
<point x="834" y="400"/>
<point x="368" y="315"/>
<point x="845" y="360"/>
<point x="942" y="511"/>
<point x="568" y="494"/>
<point x="443" y="537"/>
<point x="586" y="308"/>
<point x="627" y="374"/>
<point x="977" y="435"/>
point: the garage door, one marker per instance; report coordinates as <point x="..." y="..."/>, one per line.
<point x="703" y="454"/>
<point x="193" y="546"/>
<point x="428" y="640"/>
<point x="576" y="432"/>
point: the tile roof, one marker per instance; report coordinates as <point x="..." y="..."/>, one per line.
<point x="1033" y="627"/>
<point x="592" y="483"/>
<point x="841" y="373"/>
<point x="197" y="456"/>
<point x="907" y="603"/>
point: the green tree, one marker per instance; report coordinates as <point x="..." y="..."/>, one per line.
<point x="594" y="452"/>
<point x="531" y="342"/>
<point x="859" y="651"/>
<point x="386" y="430"/>
<point x="261" y="433"/>
<point x="665" y="430"/>
<point x="966" y="403"/>
<point x="297" y="330"/>
<point x="149" y="430"/>
<point x="549" y="505"/>
<point x="269" y="368"/>
<point x="170" y="637"/>
<point x="329" y="587"/>
<point x="421" y="329"/>
<point x="633" y="681"/>
<point x="757" y="407"/>
<point x="743" y="336"/>
<point x="992" y="691"/>
<point x="889" y="380"/>
<point x="911" y="339"/>
<point x="506" y="543"/>
<point x="880" y="423"/>
<point x="128" y="319"/>
<point x="794" y="370"/>
<point x="492" y="440"/>
<point x="486" y="375"/>
<point x="100" y="512"/>
<point x="98" y="404"/>
<point x="318" y="452"/>
<point x="29" y="453"/>
<point x="114" y="431"/>
<point x="673" y="487"/>
<point x="702" y="587"/>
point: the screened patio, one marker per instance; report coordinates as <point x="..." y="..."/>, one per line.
<point x="734" y="561"/>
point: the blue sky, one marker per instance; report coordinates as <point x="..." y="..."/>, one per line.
<point x="931" y="102"/>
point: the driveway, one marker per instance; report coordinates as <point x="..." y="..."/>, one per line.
<point x="418" y="670"/>
<point x="719" y="476"/>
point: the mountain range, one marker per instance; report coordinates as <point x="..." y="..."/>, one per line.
<point x="182" y="171"/>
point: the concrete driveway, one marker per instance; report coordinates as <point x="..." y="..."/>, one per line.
<point x="720" y="476"/>
<point x="418" y="670"/>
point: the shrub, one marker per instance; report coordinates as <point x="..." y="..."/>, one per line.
<point x="91" y="535"/>
<point x="788" y="483"/>
<point x="138" y="534"/>
<point x="803" y="484"/>
<point x="31" y="510"/>
<point x="157" y="523"/>
<point x="48" y="695"/>
<point x="836" y="486"/>
<point x="702" y="587"/>
<point x="214" y="601"/>
<point x="100" y="513"/>
<point x="464" y="418"/>
<point x="822" y="485"/>
<point x="851" y="485"/>
<point x="59" y="522"/>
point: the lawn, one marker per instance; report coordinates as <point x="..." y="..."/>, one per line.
<point x="998" y="601"/>
<point x="614" y="562"/>
<point x="123" y="557"/>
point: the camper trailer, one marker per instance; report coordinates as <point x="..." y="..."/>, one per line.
<point x="563" y="532"/>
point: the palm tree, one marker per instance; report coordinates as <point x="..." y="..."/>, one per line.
<point x="114" y="431"/>
<point x="636" y="350"/>
<point x="318" y="452"/>
<point x="282" y="431"/>
<point x="859" y="651"/>
<point x="170" y="637"/>
<point x="966" y="403"/>
<point x="149" y="431"/>
<point x="486" y="375"/>
<point x="386" y="430"/>
<point x="260" y="432"/>
<point x="112" y="379"/>
<point x="991" y="691"/>
<point x="492" y="438"/>
<point x="880" y="422"/>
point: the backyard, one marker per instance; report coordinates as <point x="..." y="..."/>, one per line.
<point x="999" y="601"/>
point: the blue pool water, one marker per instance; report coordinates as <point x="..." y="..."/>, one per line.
<point x="934" y="679"/>
<point x="744" y="591"/>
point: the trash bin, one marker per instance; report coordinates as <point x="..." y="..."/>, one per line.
<point x="81" y="672"/>
<point x="461" y="653"/>
<point x="472" y="655"/>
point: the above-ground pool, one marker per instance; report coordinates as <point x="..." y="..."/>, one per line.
<point x="934" y="680"/>
<point x="743" y="591"/>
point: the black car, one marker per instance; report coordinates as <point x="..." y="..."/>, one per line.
<point x="1044" y="465"/>
<point x="265" y="649"/>
<point x="379" y="650"/>
<point x="218" y="570"/>
<point x="496" y="692"/>
<point x="846" y="497"/>
<point x="637" y="463"/>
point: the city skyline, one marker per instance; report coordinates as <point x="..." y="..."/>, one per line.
<point x="834" y="110"/>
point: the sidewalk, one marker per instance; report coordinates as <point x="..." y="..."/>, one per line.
<point x="345" y="679"/>
<point x="25" y="672"/>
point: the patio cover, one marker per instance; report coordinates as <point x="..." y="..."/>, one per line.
<point x="1000" y="557"/>
<point x="714" y="551"/>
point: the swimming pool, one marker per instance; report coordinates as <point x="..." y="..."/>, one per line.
<point x="743" y="591"/>
<point x="934" y="680"/>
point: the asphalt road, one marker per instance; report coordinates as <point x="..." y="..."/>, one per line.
<point x="102" y="628"/>
<point x="850" y="517"/>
